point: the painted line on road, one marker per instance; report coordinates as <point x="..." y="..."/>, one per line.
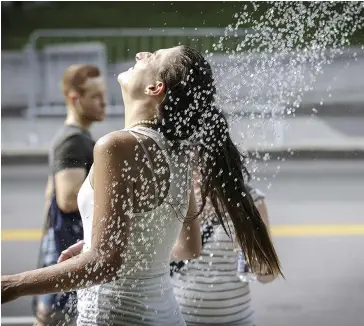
<point x="17" y="320"/>
<point x="21" y="235"/>
<point x="320" y="230"/>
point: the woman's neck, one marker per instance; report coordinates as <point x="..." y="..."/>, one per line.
<point x="137" y="113"/>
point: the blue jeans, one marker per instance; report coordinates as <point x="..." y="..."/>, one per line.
<point x="53" y="243"/>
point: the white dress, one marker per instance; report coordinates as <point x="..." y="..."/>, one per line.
<point x="143" y="295"/>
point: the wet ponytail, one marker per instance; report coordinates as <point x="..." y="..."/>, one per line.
<point x="223" y="181"/>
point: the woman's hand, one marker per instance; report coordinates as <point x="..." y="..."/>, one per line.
<point x="263" y="276"/>
<point x="8" y="288"/>
<point x="266" y="278"/>
<point x="71" y="251"/>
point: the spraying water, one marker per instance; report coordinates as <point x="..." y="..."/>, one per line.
<point x="281" y="57"/>
<point x="265" y="75"/>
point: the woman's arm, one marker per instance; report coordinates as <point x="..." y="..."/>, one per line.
<point x="113" y="154"/>
<point x="188" y="244"/>
<point x="262" y="208"/>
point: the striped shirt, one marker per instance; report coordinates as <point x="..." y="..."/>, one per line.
<point x="208" y="290"/>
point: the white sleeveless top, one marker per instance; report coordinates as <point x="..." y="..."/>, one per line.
<point x="143" y="295"/>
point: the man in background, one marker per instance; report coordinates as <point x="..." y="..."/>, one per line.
<point x="70" y="160"/>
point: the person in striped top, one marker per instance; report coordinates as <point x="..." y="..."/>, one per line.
<point x="208" y="289"/>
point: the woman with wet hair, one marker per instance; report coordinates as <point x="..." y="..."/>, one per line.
<point x="138" y="206"/>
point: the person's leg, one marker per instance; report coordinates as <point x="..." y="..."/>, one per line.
<point x="56" y="310"/>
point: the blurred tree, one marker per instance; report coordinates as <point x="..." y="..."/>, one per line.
<point x="18" y="4"/>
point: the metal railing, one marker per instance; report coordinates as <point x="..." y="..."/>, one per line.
<point x="121" y="46"/>
<point x="121" y="42"/>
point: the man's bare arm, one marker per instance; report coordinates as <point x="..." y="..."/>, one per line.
<point x="69" y="168"/>
<point x="48" y="195"/>
<point x="68" y="183"/>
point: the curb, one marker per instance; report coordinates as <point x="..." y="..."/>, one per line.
<point x="41" y="157"/>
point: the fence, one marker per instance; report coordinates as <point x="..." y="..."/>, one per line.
<point x="121" y="44"/>
<point x="46" y="59"/>
<point x="14" y="79"/>
<point x="31" y="79"/>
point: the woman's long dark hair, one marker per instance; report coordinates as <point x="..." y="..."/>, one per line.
<point x="188" y="112"/>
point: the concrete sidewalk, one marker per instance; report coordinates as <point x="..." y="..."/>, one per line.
<point x="25" y="141"/>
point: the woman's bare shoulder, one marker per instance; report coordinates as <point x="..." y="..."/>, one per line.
<point x="118" y="143"/>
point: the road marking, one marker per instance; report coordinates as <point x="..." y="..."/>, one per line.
<point x="21" y="235"/>
<point x="319" y="230"/>
<point x="17" y="320"/>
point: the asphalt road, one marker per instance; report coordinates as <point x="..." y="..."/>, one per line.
<point x="316" y="211"/>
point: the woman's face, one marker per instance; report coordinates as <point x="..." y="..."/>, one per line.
<point x="141" y="79"/>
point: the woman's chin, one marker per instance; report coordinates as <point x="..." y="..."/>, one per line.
<point x="123" y="78"/>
